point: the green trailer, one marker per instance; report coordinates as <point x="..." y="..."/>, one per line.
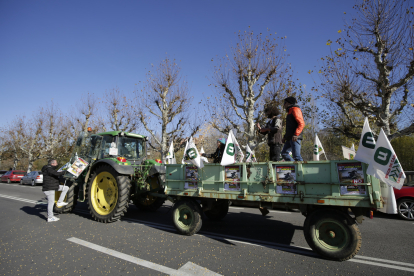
<point x="332" y="195"/>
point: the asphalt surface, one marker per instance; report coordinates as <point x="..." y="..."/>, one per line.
<point x="244" y="243"/>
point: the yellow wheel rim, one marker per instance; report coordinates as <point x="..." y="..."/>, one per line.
<point x="104" y="193"/>
<point x="148" y="200"/>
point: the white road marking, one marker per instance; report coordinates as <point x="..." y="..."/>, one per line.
<point x="384" y="260"/>
<point x="188" y="269"/>
<point x="23" y="199"/>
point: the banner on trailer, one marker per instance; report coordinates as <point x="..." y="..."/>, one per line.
<point x="350" y="173"/>
<point x="191" y="176"/>
<point x="286" y="178"/>
<point x="353" y="190"/>
<point x="232" y="178"/>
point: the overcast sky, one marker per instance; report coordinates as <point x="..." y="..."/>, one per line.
<point x="63" y="49"/>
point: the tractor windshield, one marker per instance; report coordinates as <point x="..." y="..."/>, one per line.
<point x="130" y="148"/>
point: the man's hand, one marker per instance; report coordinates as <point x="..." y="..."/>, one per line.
<point x="283" y="140"/>
<point x="295" y="138"/>
<point x="258" y="126"/>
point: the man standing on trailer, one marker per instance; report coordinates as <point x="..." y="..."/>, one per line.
<point x="294" y="127"/>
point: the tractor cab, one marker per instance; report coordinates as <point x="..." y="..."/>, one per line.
<point x="119" y="146"/>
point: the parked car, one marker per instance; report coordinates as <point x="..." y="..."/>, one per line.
<point x="33" y="178"/>
<point x="2" y="172"/>
<point x="405" y="200"/>
<point x="12" y="176"/>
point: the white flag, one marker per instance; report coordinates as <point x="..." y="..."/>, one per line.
<point x="348" y="153"/>
<point x="192" y="155"/>
<point x="366" y="144"/>
<point x="171" y="155"/>
<point x="184" y="160"/>
<point x="205" y="160"/>
<point x="384" y="163"/>
<point x="388" y="197"/>
<point x="232" y="152"/>
<point x="318" y="149"/>
<point x="250" y="157"/>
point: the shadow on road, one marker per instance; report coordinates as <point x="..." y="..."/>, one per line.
<point x="37" y="210"/>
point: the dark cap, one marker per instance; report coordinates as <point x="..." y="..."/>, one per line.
<point x="290" y="100"/>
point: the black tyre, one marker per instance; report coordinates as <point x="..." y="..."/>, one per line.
<point x="150" y="203"/>
<point x="186" y="215"/>
<point x="219" y="210"/>
<point x="71" y="199"/>
<point x="406" y="208"/>
<point x="108" y="194"/>
<point x="332" y="234"/>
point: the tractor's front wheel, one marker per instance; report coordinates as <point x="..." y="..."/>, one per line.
<point x="108" y="194"/>
<point x="332" y="234"/>
<point x="146" y="202"/>
<point x="186" y="215"/>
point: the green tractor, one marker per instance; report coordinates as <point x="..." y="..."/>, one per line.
<point x="117" y="172"/>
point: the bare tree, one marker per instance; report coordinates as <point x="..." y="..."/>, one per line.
<point x="86" y="109"/>
<point x="55" y="138"/>
<point x="14" y="139"/>
<point x="165" y="101"/>
<point x="120" y="112"/>
<point x="372" y="70"/>
<point x="30" y="143"/>
<point x="241" y="79"/>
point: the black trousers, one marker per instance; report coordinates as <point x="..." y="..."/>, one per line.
<point x="274" y="152"/>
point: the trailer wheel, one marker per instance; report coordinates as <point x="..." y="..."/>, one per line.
<point x="332" y="234"/>
<point x="186" y="216"/>
<point x="150" y="203"/>
<point x="108" y="194"/>
<point x="71" y="198"/>
<point x="219" y="210"/>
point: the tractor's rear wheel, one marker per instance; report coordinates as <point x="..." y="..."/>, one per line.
<point x="146" y="202"/>
<point x="108" y="194"/>
<point x="332" y="234"/>
<point x="71" y="199"/>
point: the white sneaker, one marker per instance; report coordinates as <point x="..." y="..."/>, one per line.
<point x="53" y="219"/>
<point x="61" y="204"/>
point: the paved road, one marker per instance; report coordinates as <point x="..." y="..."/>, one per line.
<point x="244" y="243"/>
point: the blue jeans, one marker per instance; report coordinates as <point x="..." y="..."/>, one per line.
<point x="294" y="147"/>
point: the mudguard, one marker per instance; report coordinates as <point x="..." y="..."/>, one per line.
<point x="127" y="170"/>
